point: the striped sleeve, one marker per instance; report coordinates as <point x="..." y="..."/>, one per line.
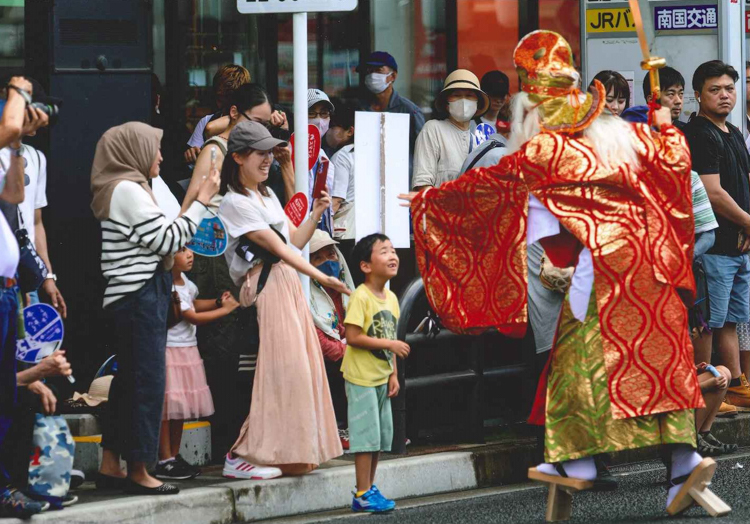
<point x="705" y="220"/>
<point x="133" y="210"/>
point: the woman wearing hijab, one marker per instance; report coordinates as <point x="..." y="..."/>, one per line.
<point x="137" y="247"/>
<point x="443" y="145"/>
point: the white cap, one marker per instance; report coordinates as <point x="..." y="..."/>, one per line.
<point x="316" y="95"/>
<point x="320" y="239"/>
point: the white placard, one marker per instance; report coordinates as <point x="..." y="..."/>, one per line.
<point x="294" y="6"/>
<point x="370" y="132"/>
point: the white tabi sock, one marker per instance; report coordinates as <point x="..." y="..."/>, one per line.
<point x="584" y="469"/>
<point x="684" y="461"/>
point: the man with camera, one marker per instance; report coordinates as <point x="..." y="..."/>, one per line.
<point x="18" y="119"/>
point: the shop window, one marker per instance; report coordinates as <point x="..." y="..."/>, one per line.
<point x="415" y="33"/>
<point x="563" y="16"/>
<point x="11" y="36"/>
<point x="487" y="36"/>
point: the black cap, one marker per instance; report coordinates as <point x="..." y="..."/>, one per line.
<point x="495" y="83"/>
<point x="251" y="135"/>
<point x="40" y="94"/>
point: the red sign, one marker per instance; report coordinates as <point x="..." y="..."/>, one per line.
<point x="296" y="208"/>
<point x="313" y="145"/>
<point x="747" y="21"/>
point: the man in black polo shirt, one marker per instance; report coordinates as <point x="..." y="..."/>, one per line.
<point x="723" y="163"/>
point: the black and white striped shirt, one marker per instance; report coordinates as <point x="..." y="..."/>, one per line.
<point x="136" y="237"/>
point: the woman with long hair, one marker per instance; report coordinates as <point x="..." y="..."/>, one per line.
<point x="291" y="428"/>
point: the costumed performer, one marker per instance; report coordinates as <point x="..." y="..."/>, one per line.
<point x="620" y="375"/>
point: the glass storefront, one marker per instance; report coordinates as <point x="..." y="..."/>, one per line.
<point x="11" y="36"/>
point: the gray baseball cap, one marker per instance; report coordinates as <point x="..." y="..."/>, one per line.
<point x="251" y="135"/>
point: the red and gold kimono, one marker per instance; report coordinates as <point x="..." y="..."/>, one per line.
<point x="625" y="376"/>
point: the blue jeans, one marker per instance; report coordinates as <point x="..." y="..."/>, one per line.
<point x="8" y="327"/>
<point x="728" y="281"/>
<point x="132" y="418"/>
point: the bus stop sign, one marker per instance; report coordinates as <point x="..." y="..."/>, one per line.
<point x="294" y="6"/>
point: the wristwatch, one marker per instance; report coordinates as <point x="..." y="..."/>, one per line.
<point x="17" y="152"/>
<point x="52" y="276"/>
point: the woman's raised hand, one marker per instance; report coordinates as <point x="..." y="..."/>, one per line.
<point x="336" y="284"/>
<point x="407" y="198"/>
<point x="320" y="205"/>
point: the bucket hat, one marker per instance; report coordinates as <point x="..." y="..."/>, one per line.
<point x="464" y="79"/>
<point x="98" y="391"/>
<point x="319" y="240"/>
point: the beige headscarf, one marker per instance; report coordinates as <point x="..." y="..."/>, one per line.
<point x="124" y="152"/>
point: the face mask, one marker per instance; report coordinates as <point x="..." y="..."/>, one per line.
<point x="322" y="124"/>
<point x="462" y="110"/>
<point x="332" y="268"/>
<point x="376" y="83"/>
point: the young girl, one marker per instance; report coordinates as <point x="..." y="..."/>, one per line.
<point x="187" y="395"/>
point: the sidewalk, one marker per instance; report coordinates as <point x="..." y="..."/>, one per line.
<point x="426" y="470"/>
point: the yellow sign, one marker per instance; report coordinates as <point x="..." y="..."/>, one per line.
<point x="616" y="20"/>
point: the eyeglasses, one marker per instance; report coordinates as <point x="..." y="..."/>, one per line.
<point x="323" y="114"/>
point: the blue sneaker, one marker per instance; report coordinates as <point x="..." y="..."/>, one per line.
<point x="371" y="502"/>
<point x="379" y="494"/>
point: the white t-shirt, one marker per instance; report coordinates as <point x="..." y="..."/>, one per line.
<point x="439" y="153"/>
<point x="35" y="181"/>
<point x="244" y="214"/>
<point x="343" y="183"/>
<point x="183" y="334"/>
<point x="9" y="253"/>
<point x="196" y="139"/>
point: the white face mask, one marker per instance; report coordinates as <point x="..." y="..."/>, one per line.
<point x="462" y="110"/>
<point x="376" y="82"/>
<point x="322" y="125"/>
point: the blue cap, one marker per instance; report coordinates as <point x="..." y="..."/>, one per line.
<point x="378" y="58"/>
<point x="636" y="114"/>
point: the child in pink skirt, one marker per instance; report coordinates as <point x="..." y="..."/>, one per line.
<point x="187" y="395"/>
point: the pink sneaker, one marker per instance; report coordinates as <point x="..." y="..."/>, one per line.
<point x="236" y="468"/>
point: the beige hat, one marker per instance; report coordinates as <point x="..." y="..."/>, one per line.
<point x="464" y="79"/>
<point x="98" y="391"/>
<point x="319" y="240"/>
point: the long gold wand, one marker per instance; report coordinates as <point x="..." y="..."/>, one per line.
<point x="652" y="64"/>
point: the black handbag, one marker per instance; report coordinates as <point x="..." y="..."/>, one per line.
<point x="32" y="271"/>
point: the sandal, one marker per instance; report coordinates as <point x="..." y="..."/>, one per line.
<point x="694" y="489"/>
<point x="706" y="449"/>
<point x="562" y="480"/>
<point x="723" y="448"/>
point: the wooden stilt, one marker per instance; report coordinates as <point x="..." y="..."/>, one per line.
<point x="709" y="501"/>
<point x="559" y="498"/>
<point x="559" y="503"/>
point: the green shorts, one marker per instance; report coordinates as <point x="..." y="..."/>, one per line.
<point x="370" y="418"/>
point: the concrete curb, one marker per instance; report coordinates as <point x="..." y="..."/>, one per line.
<point x="229" y="502"/>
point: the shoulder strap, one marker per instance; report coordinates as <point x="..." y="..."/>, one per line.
<point x="218" y="142"/>
<point x="493" y="145"/>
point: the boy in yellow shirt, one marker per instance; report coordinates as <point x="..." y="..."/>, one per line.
<point x="369" y="366"/>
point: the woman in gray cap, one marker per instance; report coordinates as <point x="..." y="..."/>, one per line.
<point x="291" y="428"/>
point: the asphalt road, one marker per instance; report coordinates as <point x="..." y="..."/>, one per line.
<point x="641" y="497"/>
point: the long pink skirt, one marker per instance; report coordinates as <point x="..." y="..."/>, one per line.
<point x="291" y="418"/>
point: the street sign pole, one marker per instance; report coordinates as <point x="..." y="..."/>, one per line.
<point x="299" y="21"/>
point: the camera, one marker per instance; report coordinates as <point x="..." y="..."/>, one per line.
<point x="52" y="110"/>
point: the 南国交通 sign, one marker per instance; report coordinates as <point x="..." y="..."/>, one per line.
<point x="690" y="17"/>
<point x="615" y="20"/>
<point x="294" y="6"/>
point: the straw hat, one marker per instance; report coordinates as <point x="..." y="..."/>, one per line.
<point x="544" y="62"/>
<point x="98" y="391"/>
<point x="464" y="79"/>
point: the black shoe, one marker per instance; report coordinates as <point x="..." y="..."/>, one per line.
<point x="107" y="482"/>
<point x="76" y="478"/>
<point x="188" y="466"/>
<point x="133" y="488"/>
<point x="174" y="470"/>
<point x="724" y="449"/>
<point x="604" y="481"/>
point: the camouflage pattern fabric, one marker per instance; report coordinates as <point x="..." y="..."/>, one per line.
<point x="52" y="459"/>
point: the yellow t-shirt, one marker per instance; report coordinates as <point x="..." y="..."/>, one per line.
<point x="378" y="319"/>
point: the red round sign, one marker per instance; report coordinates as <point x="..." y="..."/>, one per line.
<point x="296" y="208"/>
<point x="313" y="145"/>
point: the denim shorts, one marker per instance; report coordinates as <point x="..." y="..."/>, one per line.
<point x="728" y="288"/>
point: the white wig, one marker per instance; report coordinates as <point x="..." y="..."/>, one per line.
<point x="610" y="136"/>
